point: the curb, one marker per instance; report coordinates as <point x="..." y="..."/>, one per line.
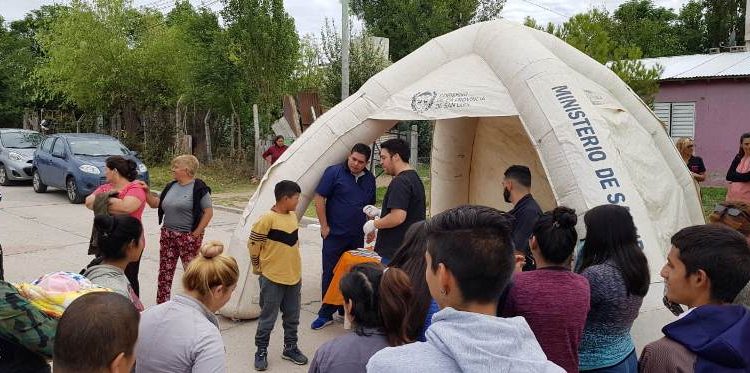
<point x="304" y="221"/>
<point x="228" y="209"/>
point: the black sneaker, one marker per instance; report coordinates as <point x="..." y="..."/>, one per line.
<point x="261" y="359"/>
<point x="293" y="354"/>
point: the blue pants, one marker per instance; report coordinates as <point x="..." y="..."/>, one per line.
<point x="333" y="247"/>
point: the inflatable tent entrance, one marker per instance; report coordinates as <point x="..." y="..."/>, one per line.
<point x="501" y="94"/>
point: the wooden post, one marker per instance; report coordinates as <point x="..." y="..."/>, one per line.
<point x="207" y="128"/>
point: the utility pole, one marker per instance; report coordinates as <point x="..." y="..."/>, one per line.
<point x="344" y="49"/>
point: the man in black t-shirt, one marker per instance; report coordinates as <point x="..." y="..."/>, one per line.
<point x="517" y="191"/>
<point x="403" y="204"/>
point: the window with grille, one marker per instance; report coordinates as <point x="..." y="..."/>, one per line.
<point x="679" y="117"/>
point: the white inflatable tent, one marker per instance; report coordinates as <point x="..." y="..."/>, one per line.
<point x="501" y="94"/>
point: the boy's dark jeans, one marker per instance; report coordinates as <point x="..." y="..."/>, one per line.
<point x="275" y="297"/>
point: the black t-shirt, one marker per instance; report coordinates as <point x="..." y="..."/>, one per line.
<point x="527" y="213"/>
<point x="406" y="192"/>
<point x="695" y="165"/>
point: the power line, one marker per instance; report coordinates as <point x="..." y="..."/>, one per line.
<point x="545" y="8"/>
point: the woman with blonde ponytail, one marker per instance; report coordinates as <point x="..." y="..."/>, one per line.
<point x="182" y="335"/>
<point x="377" y="301"/>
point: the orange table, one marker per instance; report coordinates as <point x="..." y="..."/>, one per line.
<point x="348" y="259"/>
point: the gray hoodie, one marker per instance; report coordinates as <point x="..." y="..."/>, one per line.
<point x="743" y="298"/>
<point x="467" y="342"/>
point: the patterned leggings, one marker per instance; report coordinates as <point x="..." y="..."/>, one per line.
<point x="174" y="245"/>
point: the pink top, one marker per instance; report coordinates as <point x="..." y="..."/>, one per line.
<point x="738" y="191"/>
<point x="133" y="190"/>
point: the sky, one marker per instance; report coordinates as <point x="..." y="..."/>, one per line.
<point x="310" y="15"/>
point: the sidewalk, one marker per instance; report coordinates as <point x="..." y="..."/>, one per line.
<point x="43" y="233"/>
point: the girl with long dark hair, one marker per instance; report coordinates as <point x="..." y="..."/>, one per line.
<point x="739" y="173"/>
<point x="410" y="259"/>
<point x="376" y="301"/>
<point x="618" y="275"/>
<point x="120" y="243"/>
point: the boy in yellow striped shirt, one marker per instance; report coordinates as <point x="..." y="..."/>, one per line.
<point x="275" y="257"/>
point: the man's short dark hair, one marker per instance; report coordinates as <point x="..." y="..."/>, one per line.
<point x="93" y="330"/>
<point x="286" y="188"/>
<point x="520" y="174"/>
<point x="362" y="149"/>
<point x="474" y="243"/>
<point x="721" y="252"/>
<point x="397" y="146"/>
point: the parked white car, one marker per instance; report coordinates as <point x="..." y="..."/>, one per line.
<point x="17" y="148"/>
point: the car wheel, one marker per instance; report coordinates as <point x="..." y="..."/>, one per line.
<point x="4" y="180"/>
<point x="37" y="183"/>
<point x="74" y="195"/>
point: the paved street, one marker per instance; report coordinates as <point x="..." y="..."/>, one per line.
<point x="43" y="233"/>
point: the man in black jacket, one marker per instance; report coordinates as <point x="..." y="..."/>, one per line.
<point x="517" y="191"/>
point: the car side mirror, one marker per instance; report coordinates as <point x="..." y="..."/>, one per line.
<point x="135" y="154"/>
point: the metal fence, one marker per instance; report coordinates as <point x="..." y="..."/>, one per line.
<point x="417" y="161"/>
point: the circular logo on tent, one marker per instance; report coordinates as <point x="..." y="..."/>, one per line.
<point x="422" y="101"/>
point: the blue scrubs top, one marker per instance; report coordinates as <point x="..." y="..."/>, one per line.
<point x="345" y="196"/>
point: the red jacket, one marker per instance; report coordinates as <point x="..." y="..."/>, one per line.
<point x="275" y="152"/>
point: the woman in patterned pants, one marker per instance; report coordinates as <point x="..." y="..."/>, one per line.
<point x="185" y="211"/>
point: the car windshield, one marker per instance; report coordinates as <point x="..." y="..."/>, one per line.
<point x="97" y="147"/>
<point x="20" y="140"/>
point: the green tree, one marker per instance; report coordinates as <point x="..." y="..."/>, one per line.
<point x="309" y="74"/>
<point x="89" y="58"/>
<point x="692" y="28"/>
<point x="724" y="19"/>
<point x="652" y="29"/>
<point x="366" y="59"/>
<point x="590" y="33"/>
<point x="12" y="59"/>
<point x="410" y="24"/>
<point x="20" y="54"/>
<point x="264" y="46"/>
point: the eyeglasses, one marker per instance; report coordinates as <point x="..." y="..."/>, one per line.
<point x="731" y="211"/>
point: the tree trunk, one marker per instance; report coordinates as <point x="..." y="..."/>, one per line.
<point x="177" y="126"/>
<point x="233" y="125"/>
<point x="207" y="129"/>
<point x="240" y="149"/>
<point x="231" y="131"/>
<point x="146" y="117"/>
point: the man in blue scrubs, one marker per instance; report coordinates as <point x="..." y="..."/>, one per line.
<point x="344" y="190"/>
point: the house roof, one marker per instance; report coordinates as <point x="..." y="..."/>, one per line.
<point x="703" y="66"/>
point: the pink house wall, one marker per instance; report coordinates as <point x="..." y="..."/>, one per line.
<point x="722" y="114"/>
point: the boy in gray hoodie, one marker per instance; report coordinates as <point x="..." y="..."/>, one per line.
<point x="469" y="263"/>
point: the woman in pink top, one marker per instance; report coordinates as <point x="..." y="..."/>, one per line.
<point x="739" y="172"/>
<point x="121" y="174"/>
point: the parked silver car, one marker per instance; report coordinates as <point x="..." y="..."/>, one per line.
<point x="17" y="148"/>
